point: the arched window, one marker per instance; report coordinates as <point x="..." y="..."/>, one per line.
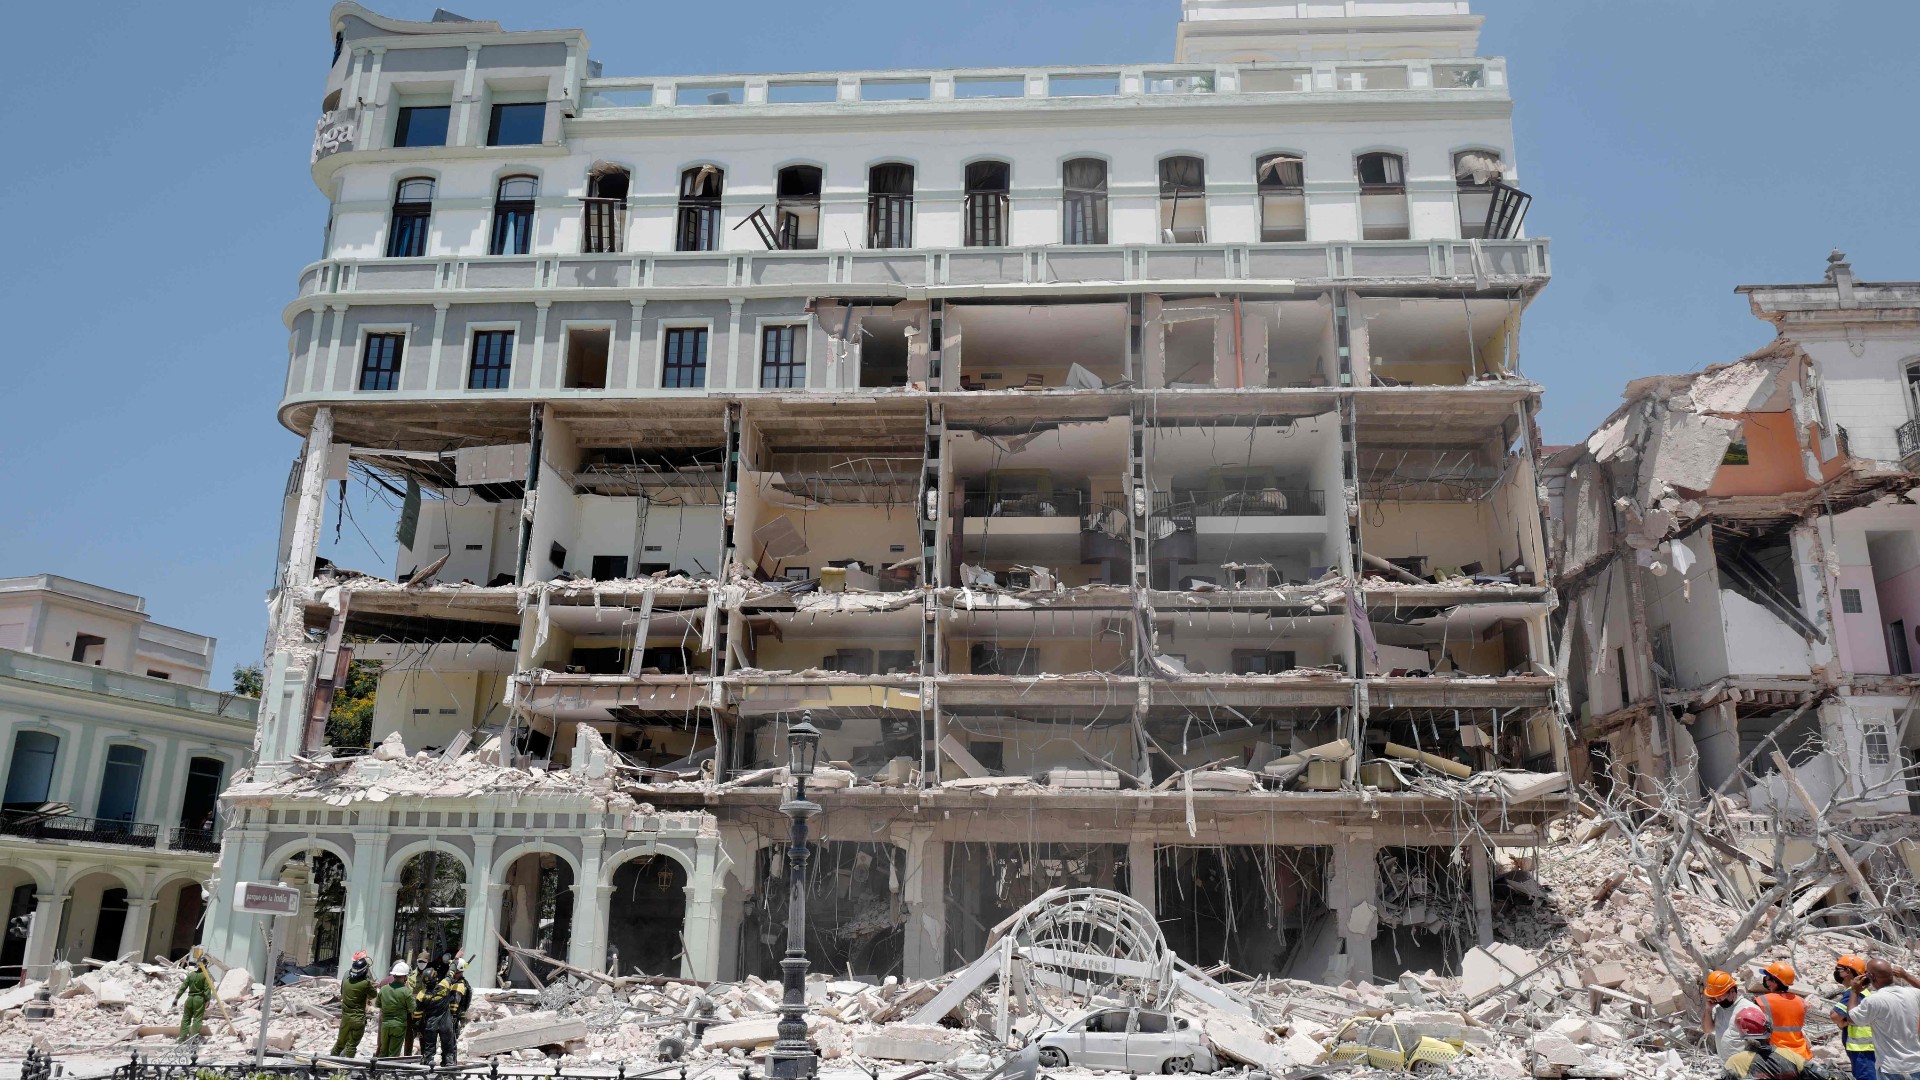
<point x="604" y="213"/>
<point x="797" y="190"/>
<point x="1474" y="173"/>
<point x="890" y="206"/>
<point x="407" y="227"/>
<point x="1383" y="196"/>
<point x="513" y="215"/>
<point x="1282" y="182"/>
<point x="699" y="222"/>
<point x="988" y="188"/>
<point x="1083" y="202"/>
<point x="1183" y="200"/>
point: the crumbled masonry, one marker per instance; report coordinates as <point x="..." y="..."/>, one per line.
<point x="1574" y="989"/>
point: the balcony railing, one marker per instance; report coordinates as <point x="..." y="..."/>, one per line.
<point x="72" y="829"/>
<point x="1260" y="502"/>
<point x="202" y="840"/>
<point x="124" y="685"/>
<point x="1909" y="434"/>
<point x="1062" y="504"/>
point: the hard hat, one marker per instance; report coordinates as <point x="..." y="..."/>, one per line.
<point x="399" y="968"/>
<point x="361" y="955"/>
<point x="1855" y="964"/>
<point x="1719" y="984"/>
<point x="1752" y="1021"/>
<point x="1781" y="970"/>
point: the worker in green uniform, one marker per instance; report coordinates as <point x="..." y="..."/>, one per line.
<point x="355" y="991"/>
<point x="396" y="1006"/>
<point x="198" y="988"/>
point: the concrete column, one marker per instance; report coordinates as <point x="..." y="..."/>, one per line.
<point x="523" y="879"/>
<point x="133" y="936"/>
<point x="706" y="891"/>
<point x="310" y="515"/>
<point x="235" y="940"/>
<point x="481" y="912"/>
<point x="41" y="934"/>
<point x="361" y="921"/>
<point x="1482" y="894"/>
<point x="1142" y="873"/>
<point x="487" y="954"/>
<point x="926" y="898"/>
<point x="589" y="908"/>
<point x="1356" y="880"/>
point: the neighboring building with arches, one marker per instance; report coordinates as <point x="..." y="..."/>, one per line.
<point x="113" y="753"/>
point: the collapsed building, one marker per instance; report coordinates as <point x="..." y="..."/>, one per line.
<point x="1735" y="548"/>
<point x="1128" y="469"/>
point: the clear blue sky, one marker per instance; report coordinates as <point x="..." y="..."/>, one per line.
<point x="158" y="208"/>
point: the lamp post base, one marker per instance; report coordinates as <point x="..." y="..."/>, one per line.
<point x="792" y="1064"/>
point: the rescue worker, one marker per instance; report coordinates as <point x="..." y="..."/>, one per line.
<point x="1892" y="1013"/>
<point x="416" y="980"/>
<point x="1786" y="1011"/>
<point x="198" y="989"/>
<point x="1764" y="1058"/>
<point x="1724" y="1002"/>
<point x="430" y="1015"/>
<point x="1851" y="973"/>
<point x="396" y="1006"/>
<point x="356" y="990"/>
<point x="460" y="997"/>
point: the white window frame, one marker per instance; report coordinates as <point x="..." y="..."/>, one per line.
<point x="466" y="353"/>
<point x="366" y="330"/>
<point x="567" y="326"/>
<point x="664" y="324"/>
<point x="803" y="326"/>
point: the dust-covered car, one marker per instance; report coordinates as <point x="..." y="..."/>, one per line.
<point x="1131" y="1040"/>
<point x="1387" y="1045"/>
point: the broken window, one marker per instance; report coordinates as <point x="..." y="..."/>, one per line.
<point x="890" y="206"/>
<point x="605" y="209"/>
<point x="513" y="215"/>
<point x="699" y="222"/>
<point x="1383" y="196"/>
<point x="781" y="367"/>
<point x="797" y="212"/>
<point x="492" y="360"/>
<point x="1736" y="452"/>
<point x="1475" y="172"/>
<point x="586" y="358"/>
<point x="1262" y="661"/>
<point x="1879" y="748"/>
<point x="1282" y="181"/>
<point x="988" y="187"/>
<point x="1083" y="207"/>
<point x="89" y="649"/>
<point x="422" y="125"/>
<point x="407" y="227"/>
<point x="520" y="124"/>
<point x="686" y="362"/>
<point x="1183" y="200"/>
<point x="201" y="801"/>
<point x="380" y="362"/>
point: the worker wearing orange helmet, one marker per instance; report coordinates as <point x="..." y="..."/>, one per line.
<point x="1850" y="972"/>
<point x="1724" y="1003"/>
<point x="1785" y="1010"/>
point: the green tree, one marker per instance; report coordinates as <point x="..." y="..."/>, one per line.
<point x="247" y="680"/>
<point x="350" y="721"/>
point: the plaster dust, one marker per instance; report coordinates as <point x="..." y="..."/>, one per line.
<point x="1556" y="943"/>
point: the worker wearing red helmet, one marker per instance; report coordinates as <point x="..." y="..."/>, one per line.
<point x="1724" y="1002"/>
<point x="1764" y="1058"/>
<point x="1786" y="1011"/>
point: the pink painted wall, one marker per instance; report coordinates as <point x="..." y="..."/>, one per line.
<point x="1862" y="637"/>
<point x="1900" y="599"/>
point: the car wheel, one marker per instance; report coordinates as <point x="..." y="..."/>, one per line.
<point x="1177" y="1065"/>
<point x="1052" y="1057"/>
<point x="1425" y="1068"/>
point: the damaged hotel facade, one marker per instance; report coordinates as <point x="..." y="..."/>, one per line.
<point x="1126" y="468"/>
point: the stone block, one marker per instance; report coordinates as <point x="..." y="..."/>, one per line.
<point x="524" y="1032"/>
<point x="902" y="1042"/>
<point x="1611" y="974"/>
<point x="742" y="1033"/>
<point x="237" y="983"/>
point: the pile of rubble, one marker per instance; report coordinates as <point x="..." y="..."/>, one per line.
<point x="1574" y="986"/>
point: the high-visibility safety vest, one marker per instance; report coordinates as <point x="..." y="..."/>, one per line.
<point x="1787" y="1014"/>
<point x="1859" y="1036"/>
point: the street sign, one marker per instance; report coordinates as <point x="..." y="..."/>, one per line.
<point x="258" y="898"/>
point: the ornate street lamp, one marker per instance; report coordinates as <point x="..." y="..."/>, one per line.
<point x="792" y="1057"/>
